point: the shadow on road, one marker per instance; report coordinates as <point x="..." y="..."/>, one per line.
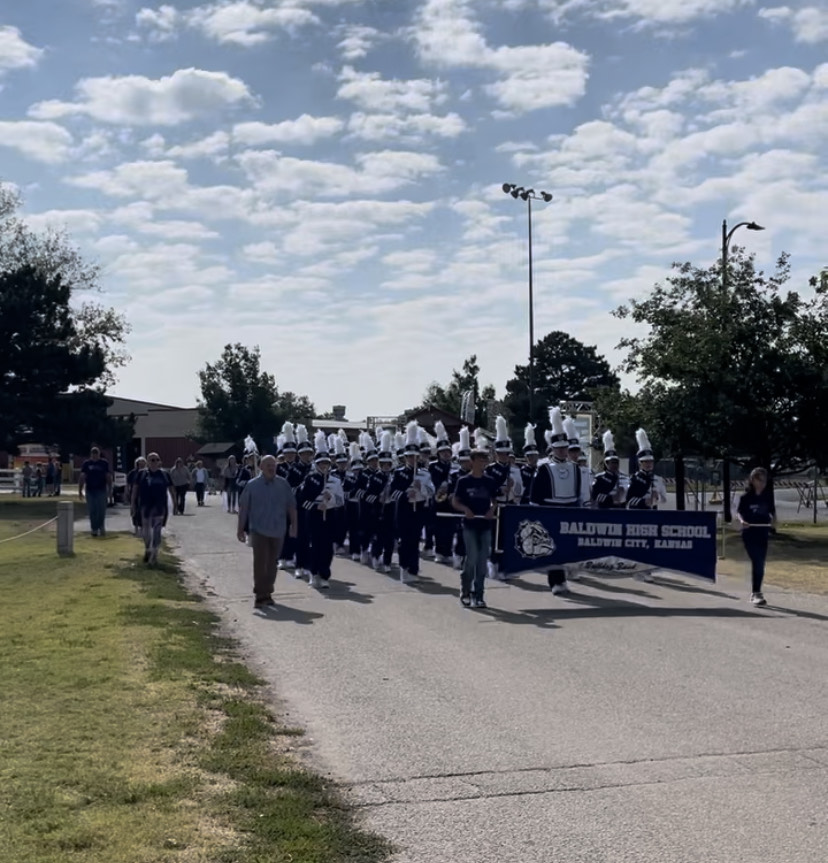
<point x="342" y="590"/>
<point x="284" y="613"/>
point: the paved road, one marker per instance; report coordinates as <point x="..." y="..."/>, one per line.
<point x="633" y="722"/>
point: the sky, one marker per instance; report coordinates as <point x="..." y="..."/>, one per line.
<point x="322" y="178"/>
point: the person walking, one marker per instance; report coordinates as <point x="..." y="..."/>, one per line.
<point x="58" y="476"/>
<point x="131" y="480"/>
<point x="201" y="476"/>
<point x="150" y="497"/>
<point x="757" y="514"/>
<point x="27" y="473"/>
<point x="231" y="490"/>
<point x="266" y="506"/>
<point x="96" y="481"/>
<point x="180" y="477"/>
<point x="475" y="497"/>
<point x="50" y="477"/>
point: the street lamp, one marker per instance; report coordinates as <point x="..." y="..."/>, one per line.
<point x="529" y="195"/>
<point x="727" y="236"/>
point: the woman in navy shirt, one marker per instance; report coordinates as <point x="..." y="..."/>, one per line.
<point x="150" y="498"/>
<point x="757" y="514"/>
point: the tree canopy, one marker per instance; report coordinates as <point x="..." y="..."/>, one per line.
<point x="450" y="397"/>
<point x="238" y="398"/>
<point x="565" y="370"/>
<point x="57" y="355"/>
<point x="738" y="375"/>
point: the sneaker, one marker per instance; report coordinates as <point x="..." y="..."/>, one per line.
<point x="313" y="581"/>
<point x="355" y="558"/>
<point x="457" y="561"/>
<point x="365" y="557"/>
<point x="465" y="600"/>
<point x="376" y="563"/>
<point x="491" y="569"/>
<point x="407" y="577"/>
<point x="560" y="589"/>
<point x="146" y="556"/>
<point x="758" y="599"/>
<point x="479" y="603"/>
<point x="340" y="549"/>
<point x="440" y="558"/>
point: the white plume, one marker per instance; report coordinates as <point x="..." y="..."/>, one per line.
<point x="399" y="440"/>
<point x="556" y="421"/>
<point x="356" y="455"/>
<point x="609" y="441"/>
<point x="301" y="434"/>
<point x="501" y="428"/>
<point x="464" y="438"/>
<point x="320" y="441"/>
<point x="480" y="439"/>
<point x="339" y="445"/>
<point x="571" y="429"/>
<point x="411" y="433"/>
<point x="642" y="440"/>
<point x="287" y="432"/>
<point x="250" y="445"/>
<point x="386" y="440"/>
<point x="341" y="434"/>
<point x="280" y="441"/>
<point x="455" y="448"/>
<point x="529" y="435"/>
<point x="440" y="430"/>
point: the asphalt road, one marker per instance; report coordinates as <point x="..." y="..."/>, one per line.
<point x="667" y="722"/>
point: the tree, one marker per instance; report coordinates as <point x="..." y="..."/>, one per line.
<point x="56" y="357"/>
<point x="565" y="370"/>
<point x="450" y="397"/>
<point x="239" y="399"/>
<point x="739" y="376"/>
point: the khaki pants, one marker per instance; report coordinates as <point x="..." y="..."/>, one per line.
<point x="266" y="551"/>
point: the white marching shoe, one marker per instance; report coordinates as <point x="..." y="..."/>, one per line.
<point x="457" y="561"/>
<point x="365" y="557"/>
<point x="313" y="581"/>
<point x="560" y="589"/>
<point x="355" y="558"/>
<point x="407" y="577"/>
<point x="440" y="558"/>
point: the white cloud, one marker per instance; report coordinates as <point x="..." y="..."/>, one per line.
<point x="809" y="24"/>
<point x="43" y="142"/>
<point x="73" y="221"/>
<point x="376" y="173"/>
<point x="303" y="130"/>
<point x="214" y="146"/>
<point x="357" y="41"/>
<point x="15" y="51"/>
<point x="136" y="100"/>
<point x="245" y="23"/>
<point x="372" y="92"/>
<point x="529" y="76"/>
<point x="410" y="128"/>
<point x="161" y="23"/>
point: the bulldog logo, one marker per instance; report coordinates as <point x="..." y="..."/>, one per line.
<point x="533" y="540"/>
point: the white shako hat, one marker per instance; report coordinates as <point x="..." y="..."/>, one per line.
<point x="503" y="443"/>
<point x="572" y="433"/>
<point x="386" y="453"/>
<point x="529" y="445"/>
<point x="610" y="453"/>
<point x="481" y="442"/>
<point x="320" y="443"/>
<point x="412" y="438"/>
<point x="464" y="452"/>
<point x="367" y="444"/>
<point x="423" y="441"/>
<point x="645" y="450"/>
<point x="443" y="442"/>
<point x="356" y="455"/>
<point x="280" y="443"/>
<point x="341" y="455"/>
<point x="558" y="436"/>
<point x="289" y="444"/>
<point x="303" y="444"/>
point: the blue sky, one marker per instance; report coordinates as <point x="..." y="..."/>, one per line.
<point x="322" y="177"/>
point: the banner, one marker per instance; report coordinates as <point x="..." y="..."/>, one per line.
<point x="538" y="538"/>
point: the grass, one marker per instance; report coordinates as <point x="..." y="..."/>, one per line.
<point x="797" y="558"/>
<point x="19" y="514"/>
<point x="131" y="733"/>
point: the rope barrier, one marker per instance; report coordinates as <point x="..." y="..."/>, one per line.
<point x="21" y="535"/>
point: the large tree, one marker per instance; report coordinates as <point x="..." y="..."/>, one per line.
<point x="450" y="397"/>
<point x="239" y="399"/>
<point x="57" y="355"/>
<point x="738" y="375"/>
<point x="565" y="370"/>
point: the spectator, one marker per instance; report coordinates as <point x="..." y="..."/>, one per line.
<point x="96" y="480"/>
<point x="231" y="490"/>
<point x="27" y="474"/>
<point x="265" y="506"/>
<point x="132" y="478"/>
<point x="201" y="477"/>
<point x="150" y="496"/>
<point x="58" y="476"/>
<point x="180" y="477"/>
<point x="757" y="513"/>
<point x="50" y="478"/>
<point x="38" y="481"/>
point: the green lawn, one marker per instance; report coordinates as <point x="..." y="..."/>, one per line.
<point x="130" y="733"/>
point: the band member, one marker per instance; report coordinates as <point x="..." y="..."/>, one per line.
<point x="430" y="519"/>
<point x="320" y="495"/>
<point x="559" y="483"/>
<point x="440" y="470"/>
<point x="575" y="453"/>
<point x="411" y="490"/>
<point x="382" y="547"/>
<point x="641" y="493"/>
<point x="463" y="469"/>
<point x="531" y="454"/>
<point x="299" y="470"/>
<point x="608" y="490"/>
<point x="370" y="486"/>
<point x="340" y="470"/>
<point x="288" y="451"/>
<point x="507" y="482"/>
<point x="353" y="507"/>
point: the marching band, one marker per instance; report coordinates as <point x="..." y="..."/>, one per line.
<point x="371" y="499"/>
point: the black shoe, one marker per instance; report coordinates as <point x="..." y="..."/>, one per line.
<point x="264" y="602"/>
<point x="465" y="600"/>
<point x="146" y="557"/>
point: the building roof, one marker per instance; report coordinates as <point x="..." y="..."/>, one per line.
<point x="219" y="448"/>
<point x="122" y="407"/>
<point x="339" y="424"/>
<point x="179" y="423"/>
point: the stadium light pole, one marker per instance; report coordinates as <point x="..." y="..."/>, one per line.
<point x="529" y="195"/>
<point x="727" y="236"/>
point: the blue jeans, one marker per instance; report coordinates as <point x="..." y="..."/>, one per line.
<point x="96" y="506"/>
<point x="478" y="547"/>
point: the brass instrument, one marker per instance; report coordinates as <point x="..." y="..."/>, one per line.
<point x="442" y="493"/>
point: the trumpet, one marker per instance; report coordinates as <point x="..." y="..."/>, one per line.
<point x="442" y="493"/>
